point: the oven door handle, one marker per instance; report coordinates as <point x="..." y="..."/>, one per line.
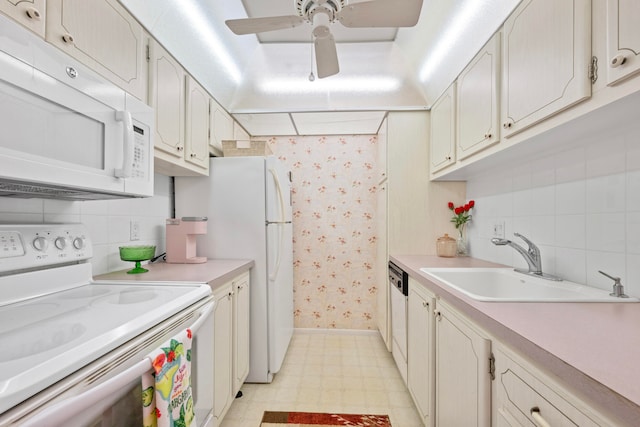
<point x="61" y="412"/>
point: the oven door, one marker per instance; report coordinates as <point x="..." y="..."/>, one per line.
<point x="65" y="126"/>
<point x="108" y="392"/>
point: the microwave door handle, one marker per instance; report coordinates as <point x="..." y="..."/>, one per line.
<point x="127" y="154"/>
<point x="60" y="413"/>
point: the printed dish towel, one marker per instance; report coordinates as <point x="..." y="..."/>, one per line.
<point x="166" y="390"/>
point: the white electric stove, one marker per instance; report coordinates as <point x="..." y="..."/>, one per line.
<point x="55" y="320"/>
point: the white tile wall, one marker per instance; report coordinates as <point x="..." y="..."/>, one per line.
<point x="581" y="206"/>
<point x="108" y="221"/>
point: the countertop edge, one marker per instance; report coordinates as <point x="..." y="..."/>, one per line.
<point x="605" y="400"/>
<point x="214" y="272"/>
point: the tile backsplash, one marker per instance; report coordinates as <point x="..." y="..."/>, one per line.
<point x="108" y="221"/>
<point x="581" y="206"/>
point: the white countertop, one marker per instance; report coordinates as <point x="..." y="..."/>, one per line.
<point x="592" y="348"/>
<point x="215" y="272"/>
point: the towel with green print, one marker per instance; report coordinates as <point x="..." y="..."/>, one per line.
<point x="167" y="399"/>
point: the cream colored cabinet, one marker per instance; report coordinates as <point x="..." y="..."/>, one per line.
<point x="197" y="125"/>
<point x="181" y="140"/>
<point x="104" y="36"/>
<point x="223" y="352"/>
<point x="477" y="108"/>
<point x="623" y="39"/>
<point x="29" y="13"/>
<point x="231" y="342"/>
<point x="241" y="318"/>
<point x="166" y="96"/>
<point x="443" y="130"/>
<point x="420" y="350"/>
<point x="546" y="59"/>
<point x="382" y="257"/>
<point x="239" y="133"/>
<point x="462" y="361"/>
<point x="381" y="158"/>
<point x="525" y="396"/>
<point x="221" y="128"/>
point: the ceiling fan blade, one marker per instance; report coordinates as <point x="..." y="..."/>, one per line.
<point x="381" y="13"/>
<point x="260" y="25"/>
<point x="326" y="55"/>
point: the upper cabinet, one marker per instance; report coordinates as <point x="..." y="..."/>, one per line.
<point x="104" y="36"/>
<point x="221" y="128"/>
<point x="239" y="133"/>
<point x="478" y="112"/>
<point x="382" y="151"/>
<point x="197" y="125"/>
<point x="443" y="130"/>
<point x="546" y="58"/>
<point x="30" y="13"/>
<point x="181" y="140"/>
<point x="623" y="39"/>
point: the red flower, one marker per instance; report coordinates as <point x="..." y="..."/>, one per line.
<point x="158" y="362"/>
<point x="451" y="205"/>
<point x="189" y="333"/>
<point x="467" y="207"/>
<point x="171" y="356"/>
<point x="459" y="210"/>
<point x="472" y="203"/>
<point x="462" y="213"/>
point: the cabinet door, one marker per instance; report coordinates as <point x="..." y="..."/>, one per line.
<point x="242" y="301"/>
<point x="222" y="350"/>
<point x="29" y="13"/>
<point x="104" y="36"/>
<point x="239" y="133"/>
<point x="478" y="114"/>
<point x="221" y="127"/>
<point x="382" y="257"/>
<point x="166" y="96"/>
<point x="623" y="39"/>
<point x="420" y="346"/>
<point x="382" y="151"/>
<point x="197" y="125"/>
<point x="443" y="130"/>
<point x="546" y="57"/>
<point x="463" y="383"/>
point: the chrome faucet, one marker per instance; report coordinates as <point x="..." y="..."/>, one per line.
<point x="531" y="255"/>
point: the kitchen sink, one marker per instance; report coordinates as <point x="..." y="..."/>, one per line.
<point x="507" y="285"/>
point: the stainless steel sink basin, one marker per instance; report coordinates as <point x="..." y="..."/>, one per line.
<point x="506" y="285"/>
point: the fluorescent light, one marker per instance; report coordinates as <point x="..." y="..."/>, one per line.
<point x="196" y="17"/>
<point x="452" y="33"/>
<point x="296" y="85"/>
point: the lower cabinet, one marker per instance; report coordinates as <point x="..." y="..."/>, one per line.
<point x="459" y="375"/>
<point x="231" y="347"/>
<point x="462" y="365"/>
<point x="420" y="346"/>
<point x="525" y="396"/>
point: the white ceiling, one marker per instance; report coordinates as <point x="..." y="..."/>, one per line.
<point x="380" y="69"/>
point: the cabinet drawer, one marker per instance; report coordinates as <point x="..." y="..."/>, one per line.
<point x="521" y="392"/>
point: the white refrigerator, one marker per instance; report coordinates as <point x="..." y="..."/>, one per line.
<point x="248" y="203"/>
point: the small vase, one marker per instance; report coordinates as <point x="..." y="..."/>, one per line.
<point x="462" y="244"/>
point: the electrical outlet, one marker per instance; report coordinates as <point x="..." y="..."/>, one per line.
<point x="498" y="229"/>
<point x="134" y="230"/>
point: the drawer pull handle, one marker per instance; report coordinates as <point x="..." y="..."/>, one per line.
<point x="537" y="417"/>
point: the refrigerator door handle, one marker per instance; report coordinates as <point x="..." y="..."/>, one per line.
<point x="274" y="173"/>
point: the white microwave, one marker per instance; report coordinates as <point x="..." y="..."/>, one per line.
<point x="66" y="132"/>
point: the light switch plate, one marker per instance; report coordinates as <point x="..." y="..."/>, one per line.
<point x="134" y="230"/>
<point x="498" y="229"/>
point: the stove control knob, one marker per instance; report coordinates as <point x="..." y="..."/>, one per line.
<point x="40" y="244"/>
<point x="60" y="243"/>
<point x="78" y="243"/>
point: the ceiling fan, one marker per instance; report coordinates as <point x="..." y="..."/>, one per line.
<point x="321" y="13"/>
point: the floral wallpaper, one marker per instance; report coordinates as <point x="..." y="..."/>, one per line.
<point x="334" y="228"/>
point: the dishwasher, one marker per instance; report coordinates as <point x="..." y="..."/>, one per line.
<point x="399" y="283"/>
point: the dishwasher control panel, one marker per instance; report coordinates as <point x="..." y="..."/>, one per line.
<point x="398" y="278"/>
